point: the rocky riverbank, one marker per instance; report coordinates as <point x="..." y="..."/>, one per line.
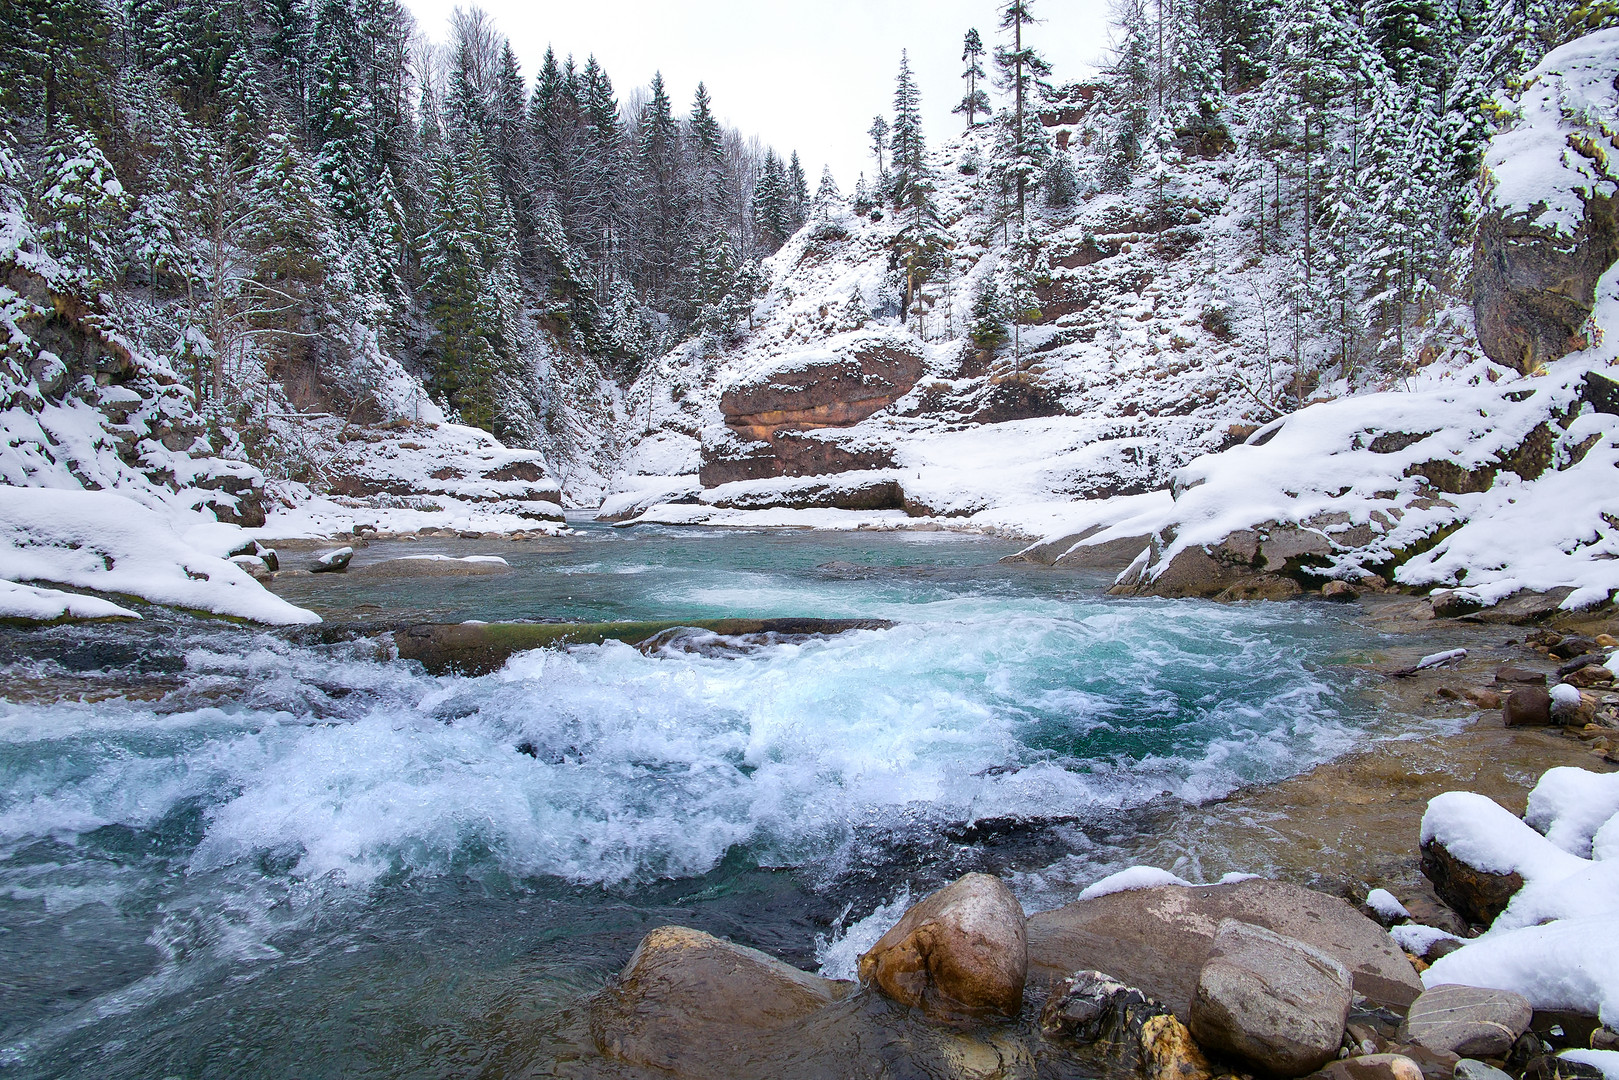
<point x="1143" y="975"/>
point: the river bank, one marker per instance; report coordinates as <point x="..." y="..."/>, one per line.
<point x="247" y="806"/>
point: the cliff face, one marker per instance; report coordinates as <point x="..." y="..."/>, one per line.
<point x="1551" y="230"/>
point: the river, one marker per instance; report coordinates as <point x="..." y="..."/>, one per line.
<point x="239" y="856"/>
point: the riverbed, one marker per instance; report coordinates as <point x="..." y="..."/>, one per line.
<point x="223" y="853"/>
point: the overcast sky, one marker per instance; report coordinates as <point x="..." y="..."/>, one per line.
<point x="805" y="75"/>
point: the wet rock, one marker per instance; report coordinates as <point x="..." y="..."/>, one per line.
<point x="1525" y="1050"/>
<point x="1467" y="1020"/>
<point x="432" y="567"/>
<point x="1162" y="936"/>
<point x="1604" y="1039"/>
<point x="1483" y="699"/>
<point x="1570" y="647"/>
<point x="1426" y="908"/>
<point x="479" y="648"/>
<point x="1586" y="678"/>
<point x="332" y="562"/>
<point x="1522" y="607"/>
<point x="1168" y="1051"/>
<point x="686" y="997"/>
<point x="1089" y="1006"/>
<point x="1528" y="706"/>
<point x="1571" y="708"/>
<point x="1512" y="674"/>
<point x="1548" y="1067"/>
<point x="1473" y="1069"/>
<point x="1435" y="1064"/>
<point x="1373" y="1067"/>
<point x="1261" y="587"/>
<point x="1477" y="895"/>
<point x="1339" y="590"/>
<point x="959" y="954"/>
<point x="1271" y="1001"/>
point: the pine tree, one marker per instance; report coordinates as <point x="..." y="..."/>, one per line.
<point x="798" y="188"/>
<point x="82" y="205"/>
<point x="908" y="147"/>
<point x="1023" y="71"/>
<point x="55" y="55"/>
<point x="771" y="200"/>
<point x="660" y="196"/>
<point x="879" y="143"/>
<point x="987" y="327"/>
<point x="974" y="101"/>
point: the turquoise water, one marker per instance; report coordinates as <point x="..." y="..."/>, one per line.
<point x="301" y="861"/>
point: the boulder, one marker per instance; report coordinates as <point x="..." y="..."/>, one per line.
<point x="1477" y="895"/>
<point x="1339" y="590"/>
<point x="1373" y="1067"/>
<point x="1162" y="935"/>
<point x="1261" y="587"/>
<point x="1592" y="675"/>
<point x="1528" y="706"/>
<point x="1467" y="1020"/>
<point x="1473" y="1069"/>
<point x="332" y="562"/>
<point x="686" y="997"/>
<point x="1511" y="674"/>
<point x="959" y="954"/>
<point x="1573" y="645"/>
<point x="1271" y="1001"/>
<point x="1534" y="287"/>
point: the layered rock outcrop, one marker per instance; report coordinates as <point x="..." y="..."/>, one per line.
<point x="771" y="412"/>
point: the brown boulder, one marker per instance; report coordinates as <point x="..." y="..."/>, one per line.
<point x="958" y="954"/>
<point x="1528" y="706"/>
<point x="1161" y="937"/>
<point x="1477" y="895"/>
<point x="686" y="997"/>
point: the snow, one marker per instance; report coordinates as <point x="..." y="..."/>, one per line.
<point x="1131" y="879"/>
<point x="1555" y="942"/>
<point x="1606" y="1060"/>
<point x="46" y="605"/>
<point x="1537" y="167"/>
<point x="496" y="559"/>
<point x="1385" y="904"/>
<point x="1439" y="659"/>
<point x="103" y="541"/>
<point x="1418" y="939"/>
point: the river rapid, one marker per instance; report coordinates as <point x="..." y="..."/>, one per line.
<point x="240" y="856"/>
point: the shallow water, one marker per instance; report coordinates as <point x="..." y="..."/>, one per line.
<point x="300" y="861"/>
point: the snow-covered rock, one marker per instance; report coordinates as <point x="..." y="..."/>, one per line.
<point x="108" y="543"/>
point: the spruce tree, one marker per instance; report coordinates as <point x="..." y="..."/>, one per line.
<point x="908" y="147"/>
<point x="974" y="101"/>
<point x="1023" y="71"/>
<point x="879" y="144"/>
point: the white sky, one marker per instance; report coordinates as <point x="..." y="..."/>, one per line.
<point x="805" y="75"/>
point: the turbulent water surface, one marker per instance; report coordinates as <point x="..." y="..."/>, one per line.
<point x="242" y="857"/>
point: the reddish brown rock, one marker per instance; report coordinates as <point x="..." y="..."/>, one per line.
<point x="959" y="954"/>
<point x="1477" y="895"/>
<point x="1528" y="706"/>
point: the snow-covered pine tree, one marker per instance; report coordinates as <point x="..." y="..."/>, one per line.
<point x="771" y="204"/>
<point x="879" y="144"/>
<point x="1023" y="74"/>
<point x="974" y="100"/>
<point x="81" y="207"/>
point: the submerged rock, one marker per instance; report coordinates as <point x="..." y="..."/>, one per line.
<point x="1090" y="1006"/>
<point x="959" y="954"/>
<point x="1161" y="936"/>
<point x="434" y="566"/>
<point x="1271" y="1001"/>
<point x="686" y="997"/>
<point x="1467" y="1020"/>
